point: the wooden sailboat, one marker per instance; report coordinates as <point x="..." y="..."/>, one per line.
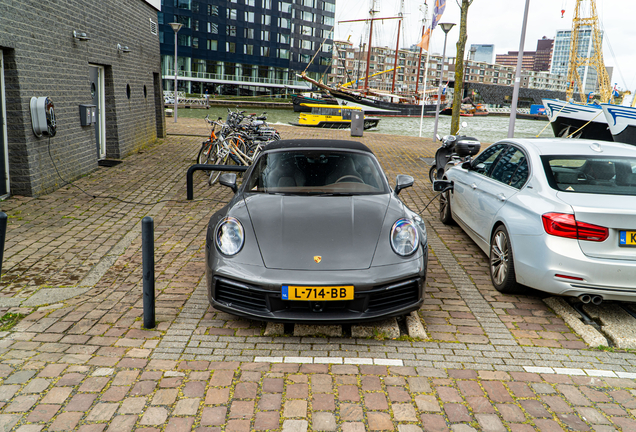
<point x="372" y="102"/>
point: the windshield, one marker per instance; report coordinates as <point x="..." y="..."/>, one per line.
<point x="591" y="174"/>
<point x="323" y="171"/>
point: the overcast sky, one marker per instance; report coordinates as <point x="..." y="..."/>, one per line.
<point x="499" y="22"/>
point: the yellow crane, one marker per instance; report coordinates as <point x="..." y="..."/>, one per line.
<point x="593" y="55"/>
<point x="372" y="75"/>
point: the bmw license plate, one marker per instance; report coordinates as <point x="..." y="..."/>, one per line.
<point x="317" y="293"/>
<point x="627" y="238"/>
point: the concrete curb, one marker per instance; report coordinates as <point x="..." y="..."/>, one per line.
<point x="590" y="335"/>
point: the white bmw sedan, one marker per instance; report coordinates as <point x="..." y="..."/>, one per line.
<point x="557" y="215"/>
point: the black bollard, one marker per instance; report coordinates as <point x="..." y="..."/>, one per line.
<point x="3" y="235"/>
<point x="148" y="257"/>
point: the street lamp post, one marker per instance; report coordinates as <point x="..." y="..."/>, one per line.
<point x="176" y="27"/>
<point x="515" y="92"/>
<point x="446" y="27"/>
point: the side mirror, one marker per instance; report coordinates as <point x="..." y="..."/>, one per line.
<point x="402" y="182"/>
<point x="439" y="138"/>
<point x="229" y="180"/>
<point x="442" y="185"/>
<point x="467" y="166"/>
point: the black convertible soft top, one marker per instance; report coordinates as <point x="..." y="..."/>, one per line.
<point x="317" y="143"/>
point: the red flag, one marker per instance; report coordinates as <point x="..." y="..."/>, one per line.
<point x="425" y="39"/>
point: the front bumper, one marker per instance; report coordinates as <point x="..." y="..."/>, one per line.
<point x="254" y="292"/>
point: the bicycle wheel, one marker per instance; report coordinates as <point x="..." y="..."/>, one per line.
<point x="214" y="175"/>
<point x="207" y="153"/>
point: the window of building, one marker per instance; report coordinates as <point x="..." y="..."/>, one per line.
<point x="213" y="10"/>
<point x="283" y="38"/>
<point x="309" y="3"/>
<point x="329" y="7"/>
<point x="264" y="51"/>
<point x="327" y="34"/>
<point x="328" y="20"/>
<point x="160" y="17"/>
<point x="184" y="4"/>
<point x="284" y="7"/>
<point x="284" y="23"/>
<point x="266" y="19"/>
<point x="248" y="33"/>
<point x="230" y="30"/>
<point x="249" y="17"/>
<point x="195" y="42"/>
<point x="265" y="35"/>
<point x="307" y="16"/>
<point x="326" y="48"/>
<point x="213" y="28"/>
<point x="282" y="53"/>
<point x="184" y="40"/>
<point x="266" y="4"/>
<point x="212" y="45"/>
<point x="248" y="49"/>
<point x="195" y="7"/>
<point x="231" y="13"/>
<point x="308" y="45"/>
<point x="230" y="47"/>
<point x="304" y="58"/>
<point x="250" y="2"/>
<point x="195" y="27"/>
<point x="184" y="20"/>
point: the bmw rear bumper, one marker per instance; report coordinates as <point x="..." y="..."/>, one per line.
<point x="254" y="292"/>
<point x="540" y="259"/>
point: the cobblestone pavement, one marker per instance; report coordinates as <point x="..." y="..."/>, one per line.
<point x="80" y="360"/>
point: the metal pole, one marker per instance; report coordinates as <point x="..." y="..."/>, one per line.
<point x="3" y="235"/>
<point x="148" y="258"/>
<point x="439" y="90"/>
<point x="515" y="92"/>
<point x="176" y="74"/>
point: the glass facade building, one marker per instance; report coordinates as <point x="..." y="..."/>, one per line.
<point x="561" y="57"/>
<point x="482" y="53"/>
<point x="245" y="46"/>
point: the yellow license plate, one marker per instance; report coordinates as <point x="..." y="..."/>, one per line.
<point x="627" y="238"/>
<point x="317" y="293"/>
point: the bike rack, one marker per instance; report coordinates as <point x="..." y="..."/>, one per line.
<point x="206" y="167"/>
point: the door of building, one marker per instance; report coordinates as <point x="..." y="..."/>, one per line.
<point x="4" y="160"/>
<point x="97" y="88"/>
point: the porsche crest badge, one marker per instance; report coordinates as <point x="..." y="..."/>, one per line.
<point x="317" y="258"/>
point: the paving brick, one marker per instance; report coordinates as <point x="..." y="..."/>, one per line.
<point x="180" y="424"/>
<point x="244" y="409"/>
<point x="375" y="401"/>
<point x="270" y="402"/>
<point x="427" y="403"/>
<point x="217" y="396"/>
<point x="404" y="412"/>
<point x="102" y="412"/>
<point x="154" y="416"/>
<point x="348" y="393"/>
<point x="457" y="413"/>
<point x="213" y="416"/>
<point x="133" y="405"/>
<point x="42" y="413"/>
<point x="295" y="408"/>
<point x="65" y="421"/>
<point x="379" y="421"/>
<point x="434" y="423"/>
<point x="351" y="412"/>
<point x="266" y="420"/>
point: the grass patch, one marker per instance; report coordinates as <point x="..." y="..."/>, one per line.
<point x="9" y="320"/>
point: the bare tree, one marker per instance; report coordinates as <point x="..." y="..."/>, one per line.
<point x="459" y="65"/>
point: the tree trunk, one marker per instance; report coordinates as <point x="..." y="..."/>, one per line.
<point x="459" y="67"/>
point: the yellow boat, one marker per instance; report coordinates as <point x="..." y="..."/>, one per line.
<point x="331" y="117"/>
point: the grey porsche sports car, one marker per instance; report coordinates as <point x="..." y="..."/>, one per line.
<point x="315" y="234"/>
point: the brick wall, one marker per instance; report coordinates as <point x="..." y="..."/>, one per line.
<point x="43" y="59"/>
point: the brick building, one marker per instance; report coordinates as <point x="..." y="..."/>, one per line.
<point x="537" y="61"/>
<point x="103" y="53"/>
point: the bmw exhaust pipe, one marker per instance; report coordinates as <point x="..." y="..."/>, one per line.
<point x="597" y="300"/>
<point x="585" y="298"/>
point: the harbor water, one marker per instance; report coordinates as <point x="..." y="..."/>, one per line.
<point x="487" y="129"/>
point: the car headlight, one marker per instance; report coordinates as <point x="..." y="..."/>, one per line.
<point x="404" y="237"/>
<point x="229" y="236"/>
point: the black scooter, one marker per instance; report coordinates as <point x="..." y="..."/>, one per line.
<point x="455" y="149"/>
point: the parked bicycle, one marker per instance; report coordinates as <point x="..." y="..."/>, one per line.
<point x="238" y="141"/>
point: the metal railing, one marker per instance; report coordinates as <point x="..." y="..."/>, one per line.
<point x="190" y="75"/>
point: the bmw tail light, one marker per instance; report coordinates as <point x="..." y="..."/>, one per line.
<point x="566" y="225"/>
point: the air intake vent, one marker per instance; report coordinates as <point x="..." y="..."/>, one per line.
<point x="398" y="295"/>
<point x="239" y="296"/>
<point x="153" y="27"/>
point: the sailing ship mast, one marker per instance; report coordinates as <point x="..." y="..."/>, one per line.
<point x="397" y="46"/>
<point x="370" y="20"/>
